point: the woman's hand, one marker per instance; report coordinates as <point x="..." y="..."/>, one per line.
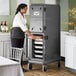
<point x="34" y="37"/>
<point x="31" y="36"/>
<point x="28" y="33"/>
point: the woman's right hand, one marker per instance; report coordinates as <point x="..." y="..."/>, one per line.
<point x="34" y="37"/>
<point x="31" y="36"/>
<point x="28" y="33"/>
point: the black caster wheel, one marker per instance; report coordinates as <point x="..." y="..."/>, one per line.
<point x="59" y="65"/>
<point x="44" y="68"/>
<point x="29" y="66"/>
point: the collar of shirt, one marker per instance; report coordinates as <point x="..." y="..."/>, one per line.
<point x="22" y="18"/>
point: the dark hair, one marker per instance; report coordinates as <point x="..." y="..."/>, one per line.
<point x="21" y="6"/>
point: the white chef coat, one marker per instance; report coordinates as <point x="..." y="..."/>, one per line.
<point x="20" y="21"/>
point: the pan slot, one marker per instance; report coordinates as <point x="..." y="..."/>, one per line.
<point x="38" y="47"/>
<point x="38" y="42"/>
<point x="38" y="56"/>
<point x="38" y="35"/>
<point x="37" y="51"/>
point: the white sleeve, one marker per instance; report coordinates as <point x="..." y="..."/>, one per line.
<point x="21" y="24"/>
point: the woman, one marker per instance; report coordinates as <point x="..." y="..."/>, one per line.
<point x="19" y="27"/>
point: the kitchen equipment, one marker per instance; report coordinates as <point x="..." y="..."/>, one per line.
<point x="45" y="22"/>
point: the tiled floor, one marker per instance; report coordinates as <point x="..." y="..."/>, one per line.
<point x="52" y="71"/>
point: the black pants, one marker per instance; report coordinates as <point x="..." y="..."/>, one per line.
<point x="18" y="43"/>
